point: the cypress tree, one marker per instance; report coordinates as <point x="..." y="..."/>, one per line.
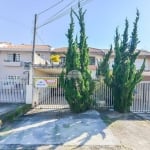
<point x="124" y="76"/>
<point x="77" y="90"/>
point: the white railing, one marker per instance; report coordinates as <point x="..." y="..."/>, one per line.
<point x="12" y="91"/>
<point x="141" y="101"/>
<point x="104" y="99"/>
<point x="102" y="96"/>
<point x="50" y="97"/>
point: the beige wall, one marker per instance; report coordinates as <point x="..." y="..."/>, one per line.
<point x="17" y="68"/>
<point x="38" y="73"/>
<point x="148" y="62"/>
<point x="9" y="68"/>
<point x="39" y="60"/>
<point x="138" y="62"/>
<point x="146" y="78"/>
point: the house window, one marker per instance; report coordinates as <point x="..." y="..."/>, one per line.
<point x="139" y="63"/>
<point x="13" y="77"/>
<point x="62" y="60"/>
<point x="15" y="57"/>
<point x="92" y="61"/>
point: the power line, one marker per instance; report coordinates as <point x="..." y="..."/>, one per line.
<point x="53" y="6"/>
<point x="53" y="18"/>
<point x="59" y="15"/>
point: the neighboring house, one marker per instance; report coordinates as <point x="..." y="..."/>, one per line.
<point x="96" y="55"/>
<point x="16" y="60"/>
<point x="143" y="54"/>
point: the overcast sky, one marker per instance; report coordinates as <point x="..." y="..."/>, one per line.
<point x="102" y="17"/>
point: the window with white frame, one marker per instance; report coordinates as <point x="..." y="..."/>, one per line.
<point x="13" y="77"/>
<point x="91" y="60"/>
<point x="62" y="60"/>
<point x="14" y="57"/>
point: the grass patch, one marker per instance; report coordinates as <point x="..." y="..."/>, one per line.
<point x="106" y="119"/>
<point x="10" y="116"/>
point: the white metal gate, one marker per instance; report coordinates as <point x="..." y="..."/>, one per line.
<point x="51" y="95"/>
<point x="12" y="91"/>
<point x="141" y="101"/>
<point x="102" y="96"/>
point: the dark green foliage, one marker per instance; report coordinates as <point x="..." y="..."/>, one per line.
<point x="124" y="76"/>
<point x="77" y="90"/>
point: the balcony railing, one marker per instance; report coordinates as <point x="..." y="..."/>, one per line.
<point x="59" y="65"/>
<point x="12" y="63"/>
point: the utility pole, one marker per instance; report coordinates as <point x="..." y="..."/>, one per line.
<point x="34" y="38"/>
<point x="33" y="60"/>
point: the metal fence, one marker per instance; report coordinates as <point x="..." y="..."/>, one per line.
<point x="53" y="97"/>
<point x="141" y="101"/>
<point x="102" y="96"/>
<point x="12" y="91"/>
<point x="50" y="97"/>
<point x="104" y="99"/>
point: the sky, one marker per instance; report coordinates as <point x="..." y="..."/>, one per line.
<point x="101" y="19"/>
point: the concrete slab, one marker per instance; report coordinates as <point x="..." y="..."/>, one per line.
<point x="86" y="129"/>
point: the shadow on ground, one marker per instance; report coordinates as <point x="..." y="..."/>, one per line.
<point x="58" y="130"/>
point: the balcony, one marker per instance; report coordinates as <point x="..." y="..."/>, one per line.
<point x="49" y="68"/>
<point x="11" y="64"/>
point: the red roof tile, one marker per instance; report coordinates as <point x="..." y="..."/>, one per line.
<point x="91" y="50"/>
<point x="23" y="47"/>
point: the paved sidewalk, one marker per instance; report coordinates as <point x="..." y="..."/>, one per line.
<point x="10" y="112"/>
<point x="35" y="130"/>
<point x="145" y="116"/>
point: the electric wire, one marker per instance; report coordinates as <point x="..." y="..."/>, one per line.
<point x="55" y="17"/>
<point x="59" y="15"/>
<point x="51" y="7"/>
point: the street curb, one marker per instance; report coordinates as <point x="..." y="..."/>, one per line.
<point x="13" y="114"/>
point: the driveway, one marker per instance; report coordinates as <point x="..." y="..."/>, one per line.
<point x="133" y="130"/>
<point x="59" y="130"/>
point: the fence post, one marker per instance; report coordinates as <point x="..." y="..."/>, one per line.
<point x="29" y="94"/>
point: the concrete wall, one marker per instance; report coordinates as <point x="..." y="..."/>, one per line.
<point x="39" y="60"/>
<point x="38" y="73"/>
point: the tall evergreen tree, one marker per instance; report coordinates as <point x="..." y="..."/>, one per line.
<point x="77" y="90"/>
<point x="124" y="76"/>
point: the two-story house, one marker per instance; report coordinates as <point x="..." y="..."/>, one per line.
<point x="16" y="60"/>
<point x="96" y="55"/>
<point x="139" y="61"/>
